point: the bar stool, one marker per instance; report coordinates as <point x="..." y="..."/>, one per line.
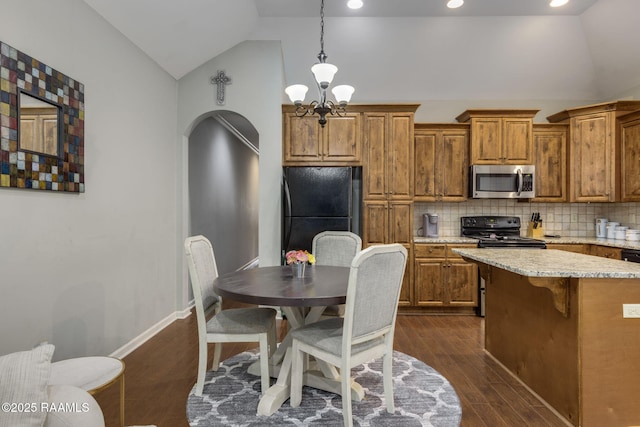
<point x="92" y="374"/>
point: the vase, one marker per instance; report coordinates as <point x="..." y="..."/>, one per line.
<point x="298" y="269"/>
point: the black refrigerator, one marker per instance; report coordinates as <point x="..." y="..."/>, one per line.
<point x="318" y="199"/>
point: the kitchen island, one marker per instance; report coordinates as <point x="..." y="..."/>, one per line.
<point x="555" y="320"/>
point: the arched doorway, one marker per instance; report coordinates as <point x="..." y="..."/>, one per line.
<point x="223" y="187"/>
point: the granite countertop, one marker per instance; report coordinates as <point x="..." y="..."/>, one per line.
<point x="623" y="244"/>
<point x="552" y="263"/>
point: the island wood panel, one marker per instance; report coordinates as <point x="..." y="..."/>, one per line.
<point x="525" y="333"/>
<point x="610" y="350"/>
<point x="584" y="365"/>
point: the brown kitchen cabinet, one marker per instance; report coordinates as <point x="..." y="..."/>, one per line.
<point x="387" y="174"/>
<point x="591" y="153"/>
<point x="550" y="159"/>
<point x="306" y="143"/>
<point x="388" y="155"/>
<point x="443" y="281"/>
<point x="500" y="136"/>
<point x="628" y="143"/>
<point x="605" y="251"/>
<point x="441" y="162"/>
<point x="569" y="247"/>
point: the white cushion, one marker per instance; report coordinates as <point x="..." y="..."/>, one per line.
<point x="70" y="406"/>
<point x="23" y="381"/>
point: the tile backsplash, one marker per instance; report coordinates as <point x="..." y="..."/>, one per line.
<point x="565" y="219"/>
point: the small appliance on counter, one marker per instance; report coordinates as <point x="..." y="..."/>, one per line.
<point x="430" y="226"/>
<point x="601" y="227"/>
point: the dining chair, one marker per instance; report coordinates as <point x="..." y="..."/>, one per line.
<point x="253" y="324"/>
<point x="336" y="248"/>
<point x="367" y="329"/>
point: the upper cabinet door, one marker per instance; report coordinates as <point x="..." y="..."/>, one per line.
<point x="592" y="156"/>
<point x="550" y="155"/>
<point x="375" y="169"/>
<point x="486" y="140"/>
<point x="517" y="141"/>
<point x="400" y="156"/>
<point x="302" y="139"/>
<point x="342" y="142"/>
<point x="306" y="143"/>
<point x="500" y="136"/>
<point x="629" y="137"/>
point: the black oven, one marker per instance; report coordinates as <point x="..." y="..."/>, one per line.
<point x="496" y="232"/>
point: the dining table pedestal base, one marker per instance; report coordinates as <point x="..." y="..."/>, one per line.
<point x="319" y="375"/>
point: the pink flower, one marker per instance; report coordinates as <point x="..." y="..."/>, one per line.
<point x="298" y="257"/>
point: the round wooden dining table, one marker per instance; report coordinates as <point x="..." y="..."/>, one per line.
<point x="302" y="301"/>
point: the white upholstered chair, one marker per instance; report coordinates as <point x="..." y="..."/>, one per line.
<point x="367" y="329"/>
<point x="232" y="325"/>
<point x="335" y="248"/>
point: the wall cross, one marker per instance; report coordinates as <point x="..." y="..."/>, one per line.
<point x="220" y="80"/>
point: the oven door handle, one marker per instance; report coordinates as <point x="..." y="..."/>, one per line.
<point x="520" y="182"/>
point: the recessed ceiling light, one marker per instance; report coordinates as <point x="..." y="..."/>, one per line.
<point x="558" y="3"/>
<point x="354" y="4"/>
<point x="452" y="4"/>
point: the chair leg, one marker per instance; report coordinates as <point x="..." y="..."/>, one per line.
<point x="202" y="368"/>
<point x="272" y="339"/>
<point x="217" y="352"/>
<point x="387" y="374"/>
<point x="345" y="382"/>
<point x="264" y="363"/>
<point x="296" y="375"/>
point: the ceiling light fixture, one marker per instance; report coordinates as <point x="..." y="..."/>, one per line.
<point x="354" y="4"/>
<point x="323" y="73"/>
<point x="452" y="4"/>
<point x="558" y="3"/>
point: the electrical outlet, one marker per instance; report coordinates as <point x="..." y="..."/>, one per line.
<point x="631" y="311"/>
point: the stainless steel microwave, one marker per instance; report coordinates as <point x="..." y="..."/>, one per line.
<point x="502" y="181"/>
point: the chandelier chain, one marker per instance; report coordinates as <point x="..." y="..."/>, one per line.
<point x="321" y="56"/>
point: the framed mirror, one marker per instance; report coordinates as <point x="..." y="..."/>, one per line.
<point x="41" y="124"/>
<point x="39" y="128"/>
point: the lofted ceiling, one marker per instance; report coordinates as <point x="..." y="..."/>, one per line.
<point x="180" y="36"/>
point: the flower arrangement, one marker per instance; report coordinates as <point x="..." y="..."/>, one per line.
<point x="299" y="257"/>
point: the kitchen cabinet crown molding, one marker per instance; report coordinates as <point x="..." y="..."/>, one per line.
<point x="497" y="112"/>
<point x="620" y="107"/>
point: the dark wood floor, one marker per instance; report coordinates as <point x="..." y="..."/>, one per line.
<point x="161" y="372"/>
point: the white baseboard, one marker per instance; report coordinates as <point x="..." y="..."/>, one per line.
<point x="149" y="333"/>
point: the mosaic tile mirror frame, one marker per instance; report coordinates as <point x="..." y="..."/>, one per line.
<point x="29" y="168"/>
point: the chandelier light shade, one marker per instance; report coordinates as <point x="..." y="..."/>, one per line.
<point x="452" y="4"/>
<point x="323" y="73"/>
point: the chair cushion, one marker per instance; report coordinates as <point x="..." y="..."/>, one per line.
<point x="327" y="336"/>
<point x="23" y="377"/>
<point x="242" y="321"/>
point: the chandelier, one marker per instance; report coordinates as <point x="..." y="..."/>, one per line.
<point x="323" y="73"/>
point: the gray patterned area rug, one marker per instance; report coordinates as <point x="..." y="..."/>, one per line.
<point x="423" y="397"/>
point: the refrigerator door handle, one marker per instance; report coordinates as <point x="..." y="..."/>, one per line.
<point x="287" y="213"/>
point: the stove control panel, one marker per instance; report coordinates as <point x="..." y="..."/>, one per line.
<point x="490" y="222"/>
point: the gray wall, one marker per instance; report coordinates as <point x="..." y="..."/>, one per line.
<point x="90" y="272"/>
<point x="223" y="194"/>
